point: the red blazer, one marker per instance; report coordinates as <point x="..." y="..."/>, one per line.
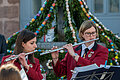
<point x="33" y="73"/>
<point x="99" y="54"/>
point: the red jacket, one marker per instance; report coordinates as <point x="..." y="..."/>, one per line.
<point x="33" y="73"/>
<point x="99" y="54"/>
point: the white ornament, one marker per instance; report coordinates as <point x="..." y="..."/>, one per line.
<point x="48" y="64"/>
<point x="69" y="16"/>
<point x="68" y="13"/>
<point x="69" y="22"/>
<point x="73" y="31"/>
<point x="115" y="60"/>
<point x="67" y="9"/>
<point x="67" y="6"/>
<point x="71" y="28"/>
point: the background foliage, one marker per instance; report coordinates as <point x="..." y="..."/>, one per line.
<point x="77" y="17"/>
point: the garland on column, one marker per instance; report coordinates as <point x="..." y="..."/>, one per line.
<point x="75" y="12"/>
<point x="70" y="22"/>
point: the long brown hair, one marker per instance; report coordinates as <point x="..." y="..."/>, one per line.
<point x="9" y="72"/>
<point x="24" y="36"/>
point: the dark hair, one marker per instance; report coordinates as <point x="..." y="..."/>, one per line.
<point x="9" y="72"/>
<point x="24" y="36"/>
<point x="86" y="25"/>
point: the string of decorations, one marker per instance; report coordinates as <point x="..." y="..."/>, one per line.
<point x="39" y="50"/>
<point x="38" y="14"/>
<point x="89" y="14"/>
<point x="90" y="18"/>
<point x="40" y="27"/>
<point x="33" y="19"/>
<point x="44" y="22"/>
<point x="14" y="34"/>
<point x="83" y="3"/>
<point x="70" y="22"/>
<point x="113" y="49"/>
<point x="9" y="51"/>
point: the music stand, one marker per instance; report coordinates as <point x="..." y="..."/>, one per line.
<point x="112" y="73"/>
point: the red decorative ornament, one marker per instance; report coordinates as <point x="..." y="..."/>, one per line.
<point x="35" y="33"/>
<point x="81" y="3"/>
<point x="44" y="23"/>
<point x="49" y="15"/>
<point x="113" y="58"/>
<point x="53" y="4"/>
<point x="110" y="40"/>
<point x="101" y="29"/>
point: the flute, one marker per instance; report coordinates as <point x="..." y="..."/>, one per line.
<point x="49" y="51"/>
<point x="16" y="56"/>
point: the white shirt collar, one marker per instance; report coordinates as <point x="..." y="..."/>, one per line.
<point x="89" y="47"/>
<point x="84" y="47"/>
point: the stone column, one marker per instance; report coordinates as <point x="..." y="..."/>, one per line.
<point x="9" y="17"/>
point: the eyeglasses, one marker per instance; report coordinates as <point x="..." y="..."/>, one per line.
<point x="90" y="33"/>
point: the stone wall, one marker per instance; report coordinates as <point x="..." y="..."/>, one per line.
<point x="9" y="17"/>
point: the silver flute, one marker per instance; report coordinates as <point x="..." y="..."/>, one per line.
<point x="16" y="56"/>
<point x="48" y="51"/>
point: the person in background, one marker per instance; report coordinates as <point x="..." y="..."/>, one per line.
<point x="26" y="42"/>
<point x="3" y="47"/>
<point x="9" y="72"/>
<point x="81" y="55"/>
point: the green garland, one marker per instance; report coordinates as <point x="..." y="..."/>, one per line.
<point x="77" y="17"/>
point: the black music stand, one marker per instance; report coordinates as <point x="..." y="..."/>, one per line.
<point x="112" y="73"/>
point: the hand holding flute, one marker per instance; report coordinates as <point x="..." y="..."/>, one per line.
<point x="70" y="50"/>
<point x="21" y="58"/>
<point x="23" y="61"/>
<point x="55" y="55"/>
<point x="11" y="61"/>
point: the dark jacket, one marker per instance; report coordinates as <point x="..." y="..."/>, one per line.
<point x="3" y="47"/>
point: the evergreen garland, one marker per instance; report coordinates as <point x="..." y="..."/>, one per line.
<point x="77" y="17"/>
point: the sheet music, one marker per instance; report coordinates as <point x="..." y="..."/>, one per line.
<point x="104" y="72"/>
<point x="84" y="68"/>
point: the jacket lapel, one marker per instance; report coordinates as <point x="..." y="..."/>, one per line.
<point x="91" y="52"/>
<point x="78" y="50"/>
